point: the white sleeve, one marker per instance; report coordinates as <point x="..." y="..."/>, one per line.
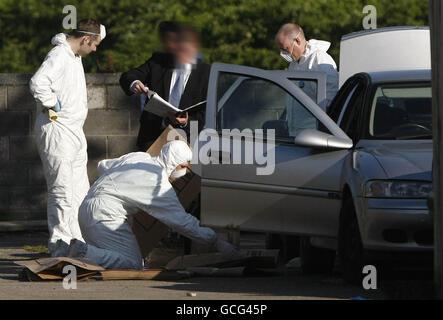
<point x="49" y="72"/>
<point x="327" y="64"/>
<point x="165" y="207"/>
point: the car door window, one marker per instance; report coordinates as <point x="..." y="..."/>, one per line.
<point x="349" y="122"/>
<point x="246" y="102"/>
<point x="341" y="100"/>
<point x="310" y="87"/>
<point x="345" y="106"/>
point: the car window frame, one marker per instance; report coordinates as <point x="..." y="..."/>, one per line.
<point x="340" y="99"/>
<point x="359" y="110"/>
<point x="280" y="78"/>
<point x="360" y="79"/>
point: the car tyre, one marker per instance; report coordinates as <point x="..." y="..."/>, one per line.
<point x="350" y="247"/>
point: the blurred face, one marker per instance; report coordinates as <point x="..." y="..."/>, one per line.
<point x="87" y="45"/>
<point x="186" y="51"/>
<point x="169" y="42"/>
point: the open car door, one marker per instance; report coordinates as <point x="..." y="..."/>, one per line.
<point x="294" y="186"/>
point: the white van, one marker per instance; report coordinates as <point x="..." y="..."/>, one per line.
<point x="386" y="49"/>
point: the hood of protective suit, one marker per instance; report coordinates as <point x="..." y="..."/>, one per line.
<point x="316" y="45"/>
<point x="174" y="154"/>
<point x="317" y="59"/>
<point x="60" y="40"/>
<point x="60" y="80"/>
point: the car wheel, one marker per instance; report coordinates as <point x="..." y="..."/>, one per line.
<point x="287" y="244"/>
<point x="315" y="260"/>
<point x="350" y="247"/>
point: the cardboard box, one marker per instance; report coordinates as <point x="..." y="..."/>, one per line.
<point x="148" y="230"/>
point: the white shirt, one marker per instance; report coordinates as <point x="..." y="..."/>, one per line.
<point x="186" y="69"/>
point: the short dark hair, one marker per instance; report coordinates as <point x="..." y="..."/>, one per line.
<point x="87" y="25"/>
<point x="167" y="26"/>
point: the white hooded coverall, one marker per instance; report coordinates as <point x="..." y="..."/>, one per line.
<point x="317" y="59"/>
<point x="131" y="183"/>
<point x="62" y="143"/>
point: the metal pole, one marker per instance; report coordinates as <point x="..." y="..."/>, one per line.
<point x="436" y="25"/>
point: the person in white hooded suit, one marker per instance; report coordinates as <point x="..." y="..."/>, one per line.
<point x="59" y="86"/>
<point x="126" y="185"/>
<point x="306" y="55"/>
<point x="309" y="55"/>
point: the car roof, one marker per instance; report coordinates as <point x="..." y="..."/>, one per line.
<point x="381" y="30"/>
<point x="400" y="76"/>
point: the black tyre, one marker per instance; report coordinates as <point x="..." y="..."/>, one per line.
<point x="315" y="260"/>
<point x="350" y="247"/>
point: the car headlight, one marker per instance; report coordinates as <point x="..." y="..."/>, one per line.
<point x="397" y="189"/>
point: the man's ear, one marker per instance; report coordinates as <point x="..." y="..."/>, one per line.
<point x="85" y="39"/>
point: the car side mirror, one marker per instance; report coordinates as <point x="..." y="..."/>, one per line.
<point x="317" y="139"/>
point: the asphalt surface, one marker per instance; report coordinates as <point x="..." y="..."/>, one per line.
<point x="291" y="284"/>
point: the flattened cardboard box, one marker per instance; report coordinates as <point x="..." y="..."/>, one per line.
<point x="46" y="269"/>
<point x="52" y="268"/>
<point x="148" y="230"/>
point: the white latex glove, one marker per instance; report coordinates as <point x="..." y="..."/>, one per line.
<point x="228" y="249"/>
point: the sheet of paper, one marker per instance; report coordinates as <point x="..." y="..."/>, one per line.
<point x="160" y="107"/>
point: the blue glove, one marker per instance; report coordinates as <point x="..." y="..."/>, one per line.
<point x="58" y="107"/>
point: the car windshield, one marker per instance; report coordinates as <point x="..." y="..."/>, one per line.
<point x="401" y="113"/>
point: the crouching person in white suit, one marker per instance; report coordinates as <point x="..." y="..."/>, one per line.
<point x="134" y="182"/>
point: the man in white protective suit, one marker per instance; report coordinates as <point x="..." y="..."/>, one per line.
<point x="309" y="55"/>
<point x="134" y="182"/>
<point x="306" y="55"/>
<point x="59" y="86"/>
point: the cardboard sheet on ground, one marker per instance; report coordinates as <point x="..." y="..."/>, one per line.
<point x="52" y="268"/>
<point x="148" y="230"/>
<point x="251" y="259"/>
<point x="254" y="263"/>
<point x="46" y="269"/>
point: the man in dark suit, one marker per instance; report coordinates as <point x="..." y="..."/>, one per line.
<point x="179" y="77"/>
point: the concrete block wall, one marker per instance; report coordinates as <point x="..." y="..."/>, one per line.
<point x="111" y="130"/>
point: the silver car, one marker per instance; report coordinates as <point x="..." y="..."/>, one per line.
<point x="354" y="179"/>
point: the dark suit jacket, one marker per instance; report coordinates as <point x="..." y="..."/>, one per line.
<point x="156" y="73"/>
